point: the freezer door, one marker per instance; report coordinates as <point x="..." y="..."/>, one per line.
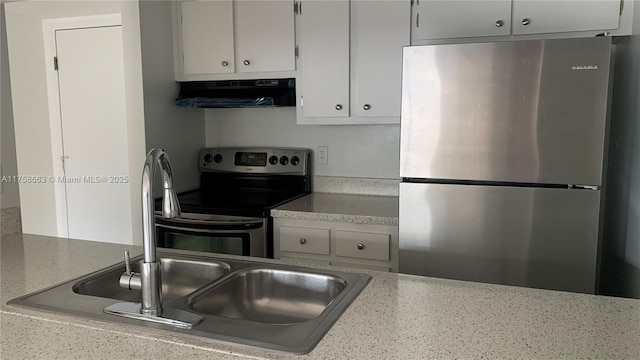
<point x="535" y="237"/>
<point x="525" y="111"/>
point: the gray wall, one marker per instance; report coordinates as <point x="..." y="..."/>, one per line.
<point x="180" y="132"/>
<point x="620" y="272"/>
<point x="354" y="150"/>
<point x="10" y="197"/>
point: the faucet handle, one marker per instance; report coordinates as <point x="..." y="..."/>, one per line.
<point x="127" y="263"/>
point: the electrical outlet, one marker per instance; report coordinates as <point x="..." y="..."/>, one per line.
<point x="323" y="155"/>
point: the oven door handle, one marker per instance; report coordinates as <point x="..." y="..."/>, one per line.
<point x="248" y="222"/>
<point x="226" y="229"/>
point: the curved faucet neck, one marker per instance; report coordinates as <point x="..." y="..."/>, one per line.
<point x="170" y="205"/>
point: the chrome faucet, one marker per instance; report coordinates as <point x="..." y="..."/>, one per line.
<point x="149" y="279"/>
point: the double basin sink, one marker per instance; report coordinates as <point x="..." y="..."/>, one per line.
<point x="271" y="306"/>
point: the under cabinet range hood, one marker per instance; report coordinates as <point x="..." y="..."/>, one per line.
<point x="237" y="93"/>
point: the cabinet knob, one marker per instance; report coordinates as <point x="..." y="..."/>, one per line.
<point x="499" y="23"/>
<point x="361" y="246"/>
<point x="303" y="241"/>
<point x="339" y="107"/>
<point x="526" y="21"/>
<point x="225" y="63"/>
<point x="246" y="62"/>
<point x="366" y="106"/>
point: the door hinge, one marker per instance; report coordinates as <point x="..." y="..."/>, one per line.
<point x="295" y="7"/>
<point x="297" y="52"/>
<point x="411" y="2"/>
<point x="418" y="20"/>
<point x="55" y="63"/>
<point x="63" y="158"/>
<point x="301" y="101"/>
<point x="621" y="6"/>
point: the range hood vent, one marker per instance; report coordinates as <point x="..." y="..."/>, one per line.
<point x="237" y="93"/>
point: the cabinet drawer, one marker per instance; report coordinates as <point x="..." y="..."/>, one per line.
<point x="304" y="240"/>
<point x="374" y="246"/>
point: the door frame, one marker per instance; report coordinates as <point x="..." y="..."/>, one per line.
<point x="49" y="27"/>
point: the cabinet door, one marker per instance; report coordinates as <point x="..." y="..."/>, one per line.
<point x="533" y="17"/>
<point x="458" y="19"/>
<point x="324" y="58"/>
<point x="265" y="39"/>
<point x="379" y="31"/>
<point x="207" y="37"/>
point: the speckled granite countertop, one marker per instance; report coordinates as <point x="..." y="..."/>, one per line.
<point x="357" y="209"/>
<point x="395" y="317"/>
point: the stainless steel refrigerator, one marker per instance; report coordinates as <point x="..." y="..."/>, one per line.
<point x="501" y="157"/>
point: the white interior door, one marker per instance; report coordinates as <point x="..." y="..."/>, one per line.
<point x="94" y="133"/>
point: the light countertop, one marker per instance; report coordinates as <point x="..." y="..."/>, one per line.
<point x="357" y="209"/>
<point x="396" y="317"/>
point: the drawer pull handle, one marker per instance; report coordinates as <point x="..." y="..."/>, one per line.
<point x="303" y="241"/>
<point x="360" y="246"/>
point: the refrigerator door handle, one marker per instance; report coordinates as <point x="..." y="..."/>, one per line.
<point x="584" y="187"/>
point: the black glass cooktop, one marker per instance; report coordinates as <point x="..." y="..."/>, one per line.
<point x="234" y="203"/>
<point x="248" y="195"/>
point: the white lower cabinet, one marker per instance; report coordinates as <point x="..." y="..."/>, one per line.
<point x="304" y="261"/>
<point x="304" y="240"/>
<point x="362" y="245"/>
<point x="343" y="244"/>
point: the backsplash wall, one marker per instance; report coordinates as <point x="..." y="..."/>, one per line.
<point x="178" y="131"/>
<point x="354" y="150"/>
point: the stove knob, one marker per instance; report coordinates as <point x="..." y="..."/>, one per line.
<point x="208" y="158"/>
<point x="284" y="160"/>
<point x="295" y="160"/>
<point x="273" y="160"/>
<point x="217" y="158"/>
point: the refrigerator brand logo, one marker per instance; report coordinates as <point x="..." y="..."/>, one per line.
<point x="584" y="67"/>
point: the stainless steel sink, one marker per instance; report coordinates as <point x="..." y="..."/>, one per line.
<point x="271" y="306"/>
<point x="179" y="278"/>
<point x="269" y="295"/>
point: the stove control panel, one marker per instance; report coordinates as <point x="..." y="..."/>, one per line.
<point x="289" y="161"/>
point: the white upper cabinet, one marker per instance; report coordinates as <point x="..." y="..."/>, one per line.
<point x="442" y="19"/>
<point x="535" y="17"/>
<point x="459" y="19"/>
<point x="323" y="38"/>
<point x="265" y="38"/>
<point x="224" y="39"/>
<point x="379" y="30"/>
<point x="350" y="61"/>
<point x="207" y="37"/>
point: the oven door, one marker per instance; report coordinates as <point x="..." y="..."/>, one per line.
<point x="215" y="234"/>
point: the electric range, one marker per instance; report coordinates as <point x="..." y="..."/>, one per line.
<point x="230" y="212"/>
